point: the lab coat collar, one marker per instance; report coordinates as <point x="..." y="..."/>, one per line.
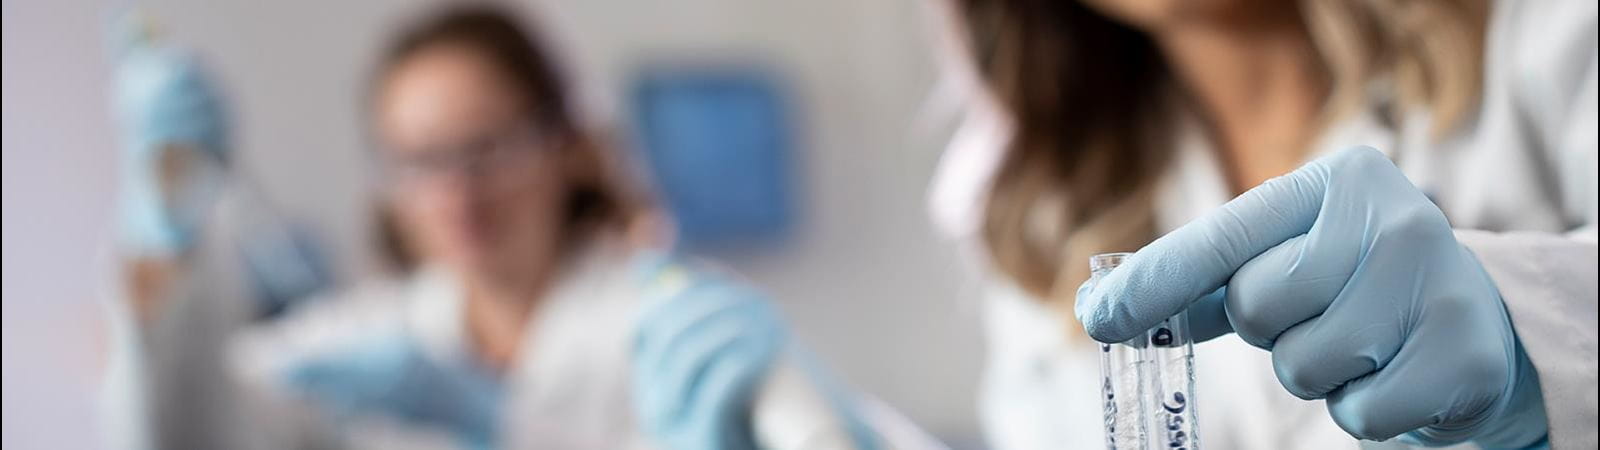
<point x="587" y="284"/>
<point x="434" y="312"/>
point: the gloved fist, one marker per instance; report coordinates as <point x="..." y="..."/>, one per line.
<point x="703" y="347"/>
<point x="1355" y="282"/>
<point x="390" y="376"/>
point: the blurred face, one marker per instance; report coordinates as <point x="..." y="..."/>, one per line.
<point x="476" y="183"/>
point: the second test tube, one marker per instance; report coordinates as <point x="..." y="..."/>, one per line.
<point x="1147" y="383"/>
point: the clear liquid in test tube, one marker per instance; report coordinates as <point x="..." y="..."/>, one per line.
<point x="1147" y="383"/>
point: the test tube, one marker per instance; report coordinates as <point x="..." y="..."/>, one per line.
<point x="1147" y="382"/>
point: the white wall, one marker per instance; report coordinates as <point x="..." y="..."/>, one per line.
<point x="57" y="191"/>
<point x="863" y="278"/>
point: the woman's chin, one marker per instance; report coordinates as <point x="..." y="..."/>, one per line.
<point x="470" y="263"/>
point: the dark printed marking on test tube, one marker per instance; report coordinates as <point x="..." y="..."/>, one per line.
<point x="1110" y="413"/>
<point x="1176" y="438"/>
<point x="1162" y="338"/>
<point x="1178" y="403"/>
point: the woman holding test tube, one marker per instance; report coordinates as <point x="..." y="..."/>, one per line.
<point x="1411" y="238"/>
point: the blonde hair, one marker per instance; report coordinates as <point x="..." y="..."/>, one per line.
<point x="1085" y="95"/>
<point x="1432" y="50"/>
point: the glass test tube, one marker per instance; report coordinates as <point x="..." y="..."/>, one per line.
<point x="1147" y="383"/>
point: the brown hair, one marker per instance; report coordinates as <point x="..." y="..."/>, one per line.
<point x="595" y="196"/>
<point x="1085" y="96"/>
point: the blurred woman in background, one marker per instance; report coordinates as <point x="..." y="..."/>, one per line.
<point x="1095" y="126"/>
<point x="536" y="310"/>
<point x="510" y="232"/>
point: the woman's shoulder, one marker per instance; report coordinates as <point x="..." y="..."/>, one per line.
<point x="1551" y="25"/>
<point x="1544" y="51"/>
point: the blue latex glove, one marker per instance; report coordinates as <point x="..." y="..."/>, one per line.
<point x="704" y="345"/>
<point x="390" y="376"/>
<point x="163" y="97"/>
<point x="1354" y="281"/>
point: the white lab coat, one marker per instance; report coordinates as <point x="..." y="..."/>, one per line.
<point x="568" y="390"/>
<point x="1518" y="182"/>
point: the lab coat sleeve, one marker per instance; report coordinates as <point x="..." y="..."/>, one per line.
<point x="259" y="356"/>
<point x="1549" y="286"/>
<point x="1548" y="280"/>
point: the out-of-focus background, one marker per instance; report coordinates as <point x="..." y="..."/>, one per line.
<point x="859" y="270"/>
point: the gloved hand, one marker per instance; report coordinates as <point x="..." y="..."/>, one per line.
<point x="165" y="100"/>
<point x="391" y="376"/>
<point x="703" y="346"/>
<point x="1354" y="281"/>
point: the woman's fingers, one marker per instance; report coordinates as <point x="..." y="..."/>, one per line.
<point x="1182" y="267"/>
